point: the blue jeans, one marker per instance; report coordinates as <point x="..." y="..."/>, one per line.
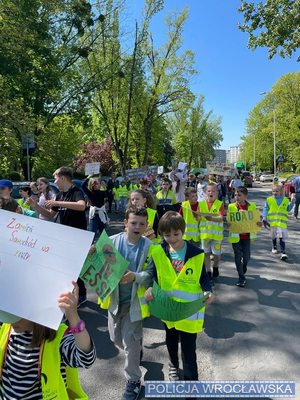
<point x="296" y="207"/>
<point x="241" y="256"/>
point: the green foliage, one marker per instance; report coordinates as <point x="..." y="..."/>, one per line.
<point x="284" y="99"/>
<point x="274" y="24"/>
<point x="56" y="146"/>
<point x="196" y="134"/>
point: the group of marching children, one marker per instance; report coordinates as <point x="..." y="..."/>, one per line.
<point x="169" y="246"/>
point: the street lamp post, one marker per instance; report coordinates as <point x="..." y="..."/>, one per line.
<point x="274" y="133"/>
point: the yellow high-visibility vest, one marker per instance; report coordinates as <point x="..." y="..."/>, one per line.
<point x="278" y="214"/>
<point x="52" y="382"/>
<point x="166" y="198"/>
<point x="192" y="228"/>
<point x="211" y="229"/>
<point x="182" y="287"/>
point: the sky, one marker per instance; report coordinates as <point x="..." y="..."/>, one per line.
<point x="231" y="77"/>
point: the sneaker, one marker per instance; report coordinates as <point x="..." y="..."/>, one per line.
<point x="173" y="373"/>
<point x="274" y="251"/>
<point x="215" y="272"/>
<point x="283" y="257"/>
<point x="241" y="282"/>
<point x="81" y="300"/>
<point x="132" y="390"/>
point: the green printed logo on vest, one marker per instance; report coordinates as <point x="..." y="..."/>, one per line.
<point x="189" y="271"/>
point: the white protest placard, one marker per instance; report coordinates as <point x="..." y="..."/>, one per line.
<point x="181" y="165"/>
<point x="38" y="261"/>
<point x="160" y="169"/>
<point x="92" y="168"/>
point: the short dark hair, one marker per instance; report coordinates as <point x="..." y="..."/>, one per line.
<point x="64" y="171"/>
<point x="26" y="189"/>
<point x="242" y="189"/>
<point x="138" y="211"/>
<point x="171" y="220"/>
<point x="9" y="204"/>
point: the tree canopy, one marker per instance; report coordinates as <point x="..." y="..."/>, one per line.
<point x="274" y="24"/>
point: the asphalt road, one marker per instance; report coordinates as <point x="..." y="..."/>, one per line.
<point x="250" y="333"/>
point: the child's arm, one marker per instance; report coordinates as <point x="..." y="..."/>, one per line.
<point x="68" y="302"/>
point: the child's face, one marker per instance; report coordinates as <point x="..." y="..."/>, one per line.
<point x="22" y="326"/>
<point x="137" y="200"/>
<point x="174" y="238"/>
<point x="41" y="186"/>
<point x="211" y="193"/>
<point x="277" y="192"/>
<point x="5" y="192"/>
<point x="165" y="186"/>
<point x="24" y="194"/>
<point x="135" y="226"/>
<point x="240" y="197"/>
<point x="193" y="198"/>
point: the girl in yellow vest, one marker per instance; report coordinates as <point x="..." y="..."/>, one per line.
<point x="165" y="198"/>
<point x="142" y="198"/>
<point x="190" y="213"/>
<point x="44" y="361"/>
<point x="179" y="272"/>
<point x="275" y="216"/>
<point x="241" y="243"/>
<point x="211" y="228"/>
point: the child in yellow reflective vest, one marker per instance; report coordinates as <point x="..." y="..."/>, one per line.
<point x="44" y="360"/>
<point x="143" y="198"/>
<point x="275" y="216"/>
<point x="241" y="243"/>
<point x="190" y="213"/>
<point x="179" y="272"/>
<point x="211" y="228"/>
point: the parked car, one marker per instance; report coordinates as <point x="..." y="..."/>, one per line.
<point x="247" y="178"/>
<point x="16" y="188"/>
<point x="288" y="186"/>
<point x="266" y="177"/>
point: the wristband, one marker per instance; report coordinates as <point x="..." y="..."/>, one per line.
<point x="80" y="327"/>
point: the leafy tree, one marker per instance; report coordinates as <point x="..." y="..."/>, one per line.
<point x="96" y="152"/>
<point x="197" y="133"/>
<point x="274" y="24"/>
<point x="284" y="100"/>
<point x="57" y="146"/>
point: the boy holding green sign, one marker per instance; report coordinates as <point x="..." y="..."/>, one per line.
<point x="127" y="306"/>
<point x="180" y="274"/>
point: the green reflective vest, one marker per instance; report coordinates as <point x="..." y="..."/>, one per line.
<point x="278" y="214"/>
<point x="235" y="237"/>
<point x="211" y="229"/>
<point x="182" y="287"/>
<point x="52" y="383"/>
<point x="192" y="229"/>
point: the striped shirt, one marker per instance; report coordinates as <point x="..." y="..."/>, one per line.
<point x="20" y="373"/>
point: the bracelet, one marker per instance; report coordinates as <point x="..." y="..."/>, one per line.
<point x="80" y="327"/>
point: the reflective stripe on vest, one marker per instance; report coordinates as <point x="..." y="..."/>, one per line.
<point x="181" y="287"/>
<point x="166" y="198"/>
<point x="278" y="214"/>
<point x="122" y="191"/>
<point x="235" y="237"/>
<point x="192" y="230"/>
<point x="211" y="229"/>
<point x="52" y="383"/>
